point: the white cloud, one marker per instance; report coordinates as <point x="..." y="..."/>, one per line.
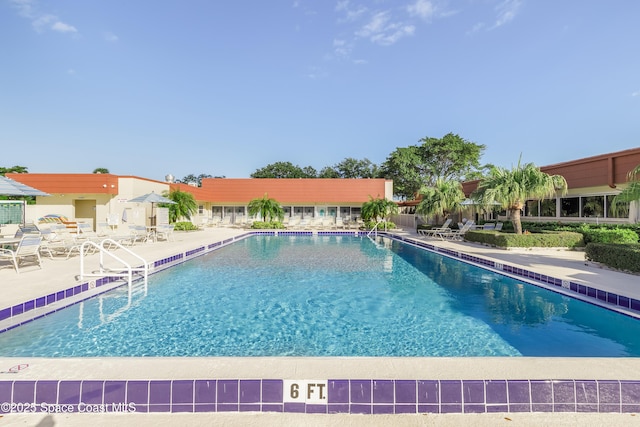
<point x="636" y="93"/>
<point x="61" y="27"/>
<point x="382" y="31"/>
<point x="71" y="71"/>
<point x="424" y="9"/>
<point x="110" y="37"/>
<point x="507" y="11"/>
<point x="41" y="21"/>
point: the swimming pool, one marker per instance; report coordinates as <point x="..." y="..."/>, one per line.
<point x="327" y="296"/>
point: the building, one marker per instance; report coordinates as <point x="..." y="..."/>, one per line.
<point x="592" y="184"/>
<point x="96" y="198"/>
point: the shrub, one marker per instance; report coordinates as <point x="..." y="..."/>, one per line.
<point x="624" y="257"/>
<point x="617" y="235"/>
<point x="270" y="225"/>
<point x="564" y="239"/>
<point x="185" y="226"/>
<point x="388" y="224"/>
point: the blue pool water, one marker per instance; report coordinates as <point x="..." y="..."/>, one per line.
<point x="327" y="296"/>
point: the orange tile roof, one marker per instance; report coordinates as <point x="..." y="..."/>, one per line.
<point x="294" y="191"/>
<point x="83" y="183"/>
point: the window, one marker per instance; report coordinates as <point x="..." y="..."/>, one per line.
<point x="11" y="212"/>
<point x="593" y="206"/>
<point x="548" y="207"/>
<point x="621" y="211"/>
<point x="570" y="207"/>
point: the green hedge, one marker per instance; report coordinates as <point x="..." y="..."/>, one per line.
<point x="269" y="225"/>
<point x="624" y="257"/>
<point x="562" y="239"/>
<point x="616" y="235"/>
<point x="185" y="226"/>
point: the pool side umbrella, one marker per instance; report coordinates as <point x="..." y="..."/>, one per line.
<point x="151" y="198"/>
<point x="9" y="187"/>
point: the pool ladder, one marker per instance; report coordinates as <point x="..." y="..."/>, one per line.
<point x="113" y="272"/>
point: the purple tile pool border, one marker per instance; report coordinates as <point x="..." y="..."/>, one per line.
<point x="355" y="396"/>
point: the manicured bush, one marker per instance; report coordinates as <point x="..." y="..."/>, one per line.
<point x="389" y="225"/>
<point x="624" y="257"/>
<point x="270" y="225"/>
<point x="617" y="235"/>
<point x="185" y="226"/>
<point x="563" y="239"/>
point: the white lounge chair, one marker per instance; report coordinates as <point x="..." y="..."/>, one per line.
<point x="28" y="248"/>
<point x="433" y="231"/>
<point x="457" y="234"/>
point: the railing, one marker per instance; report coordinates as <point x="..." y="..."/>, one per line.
<point x="375" y="228"/>
<point x="114" y="272"/>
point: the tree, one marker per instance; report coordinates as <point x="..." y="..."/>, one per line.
<point x="444" y="197"/>
<point x="283" y="170"/>
<point x="450" y="158"/>
<point x="328" y="172"/>
<point x="631" y="193"/>
<point x="512" y="188"/>
<point x="185" y="205"/>
<point x="353" y="168"/>
<point x="192" y="178"/>
<point x="267" y="208"/>
<point x="101" y="170"/>
<point x="378" y="208"/>
<point x="14" y="169"/>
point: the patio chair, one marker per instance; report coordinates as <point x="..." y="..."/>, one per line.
<point x="165" y="232"/>
<point x="28" y="248"/>
<point x="432" y="231"/>
<point x="457" y="234"/>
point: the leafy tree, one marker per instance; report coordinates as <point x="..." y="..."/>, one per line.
<point x="284" y="170"/>
<point x="14" y="169"/>
<point x="353" y="168"/>
<point x="192" y="178"/>
<point x="450" y="158"/>
<point x="620" y="203"/>
<point x="309" y="172"/>
<point x="512" y="188"/>
<point x="267" y="208"/>
<point x="185" y="205"/>
<point x="328" y="172"/>
<point x="402" y="167"/>
<point x="101" y="170"/>
<point x="378" y="208"/>
<point x="442" y="198"/>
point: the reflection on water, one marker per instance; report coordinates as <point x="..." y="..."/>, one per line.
<point x="534" y="320"/>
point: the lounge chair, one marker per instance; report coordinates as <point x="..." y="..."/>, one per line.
<point x="499" y="226"/>
<point x="432" y="231"/>
<point x="165" y="232"/>
<point x="28" y="248"/>
<point x="457" y="234"/>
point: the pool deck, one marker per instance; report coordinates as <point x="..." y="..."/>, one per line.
<point x="60" y="274"/>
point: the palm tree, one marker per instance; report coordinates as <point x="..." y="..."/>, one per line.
<point x="379" y="208"/>
<point x="185" y="205"/>
<point x="512" y="188"/>
<point x="267" y="208"/>
<point x="442" y="198"/>
<point x="620" y="203"/>
<point x="101" y="170"/>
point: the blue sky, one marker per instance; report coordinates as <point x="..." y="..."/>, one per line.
<point x="148" y="88"/>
